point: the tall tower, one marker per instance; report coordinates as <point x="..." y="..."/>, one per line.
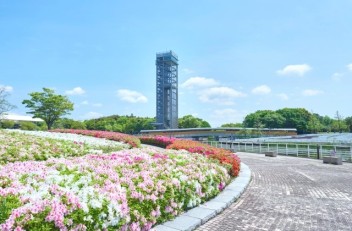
<point x="166" y="90"/>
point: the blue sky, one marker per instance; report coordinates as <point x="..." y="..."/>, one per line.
<point x="235" y="57"/>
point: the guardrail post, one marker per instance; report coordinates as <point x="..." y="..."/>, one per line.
<point x="277" y="148"/>
<point x="286" y="150"/>
<point x="308" y="151"/>
<point x="245" y="147"/>
<point x="268" y="147"/>
<point x="260" y="149"/>
<point x="296" y="149"/>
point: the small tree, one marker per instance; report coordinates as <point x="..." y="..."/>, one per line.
<point x="48" y="106"/>
<point x="5" y="106"/>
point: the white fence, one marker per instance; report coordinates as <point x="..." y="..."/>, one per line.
<point x="316" y="151"/>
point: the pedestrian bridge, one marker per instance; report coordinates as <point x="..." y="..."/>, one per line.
<point x="221" y="133"/>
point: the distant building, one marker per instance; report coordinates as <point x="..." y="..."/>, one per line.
<point x="18" y="118"/>
<point x="166" y="90"/>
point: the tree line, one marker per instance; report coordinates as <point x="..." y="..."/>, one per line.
<point x="52" y="107"/>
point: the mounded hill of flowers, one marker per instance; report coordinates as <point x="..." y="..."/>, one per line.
<point x="116" y="136"/>
<point x="127" y="190"/>
<point x="15" y="146"/>
<point x="224" y="156"/>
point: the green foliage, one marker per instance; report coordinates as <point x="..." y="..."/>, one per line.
<point x="30" y="126"/>
<point x="299" y="118"/>
<point x="314" y="125"/>
<point x="232" y="125"/>
<point x="48" y="106"/>
<point x="189" y="121"/>
<point x="264" y="118"/>
<point x="66" y="123"/>
<point x="125" y="124"/>
<point x="296" y="118"/>
<point x="7" y="124"/>
<point x="7" y="204"/>
<point x="348" y="121"/>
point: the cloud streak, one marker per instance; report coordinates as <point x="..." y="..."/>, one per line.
<point x="299" y="70"/>
<point x="199" y="82"/>
<point x="220" y="95"/>
<point x="75" y="91"/>
<point x="6" y="88"/>
<point x="131" y="96"/>
<point x="261" y="90"/>
<point x="311" y="92"/>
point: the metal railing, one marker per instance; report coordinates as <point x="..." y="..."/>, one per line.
<point x="314" y="151"/>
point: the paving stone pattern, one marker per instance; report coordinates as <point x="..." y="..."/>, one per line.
<point x="289" y="193"/>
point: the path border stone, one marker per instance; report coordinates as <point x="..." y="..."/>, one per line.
<point x="197" y="216"/>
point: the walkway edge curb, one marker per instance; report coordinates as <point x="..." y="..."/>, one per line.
<point x="197" y="216"/>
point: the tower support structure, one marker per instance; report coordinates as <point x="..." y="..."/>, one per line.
<point x="166" y="90"/>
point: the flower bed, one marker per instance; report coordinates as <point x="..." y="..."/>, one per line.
<point x="116" y="136"/>
<point x="224" y="156"/>
<point x="128" y="190"/>
<point x="159" y="141"/>
<point x="15" y="146"/>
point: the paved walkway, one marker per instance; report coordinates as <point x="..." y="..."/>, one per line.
<point x="288" y="193"/>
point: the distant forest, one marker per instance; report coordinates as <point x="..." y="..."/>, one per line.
<point x="299" y="118"/>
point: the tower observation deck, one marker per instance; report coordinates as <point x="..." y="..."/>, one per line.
<point x="166" y="90"/>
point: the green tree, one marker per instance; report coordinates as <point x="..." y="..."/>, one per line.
<point x="295" y="118"/>
<point x="189" y="121"/>
<point x="69" y="124"/>
<point x="327" y="122"/>
<point x="348" y="121"/>
<point x="232" y="125"/>
<point x="5" y="106"/>
<point x="48" y="106"/>
<point x="314" y="125"/>
<point x="264" y="118"/>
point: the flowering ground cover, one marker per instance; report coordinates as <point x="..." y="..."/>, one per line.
<point x="226" y="157"/>
<point x="159" y="141"/>
<point x="116" y="136"/>
<point x="127" y="190"/>
<point x="103" y="145"/>
<point x="15" y="146"/>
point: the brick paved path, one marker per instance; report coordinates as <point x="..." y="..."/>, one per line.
<point x="288" y="193"/>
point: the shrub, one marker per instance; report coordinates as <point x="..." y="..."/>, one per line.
<point x="116" y="136"/>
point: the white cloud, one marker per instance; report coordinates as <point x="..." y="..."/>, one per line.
<point x="97" y="105"/>
<point x="199" y="82"/>
<point x="311" y="92"/>
<point x="75" y="91"/>
<point x="282" y="96"/>
<point x="227" y="115"/>
<point x="6" y="88"/>
<point x="349" y="66"/>
<point x="220" y="95"/>
<point x="131" y="96"/>
<point x="85" y="102"/>
<point x="92" y="115"/>
<point x="261" y="90"/>
<point x="299" y="69"/>
<point x="337" y="76"/>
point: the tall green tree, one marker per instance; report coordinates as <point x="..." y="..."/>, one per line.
<point x="264" y="118"/>
<point x="5" y="106"/>
<point x="48" y="106"/>
<point x="295" y="118"/>
<point x="348" y="121"/>
<point x="189" y="121"/>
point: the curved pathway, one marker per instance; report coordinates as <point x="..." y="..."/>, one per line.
<point x="288" y="193"/>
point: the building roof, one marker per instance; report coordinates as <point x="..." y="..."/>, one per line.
<point x="21" y="118"/>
